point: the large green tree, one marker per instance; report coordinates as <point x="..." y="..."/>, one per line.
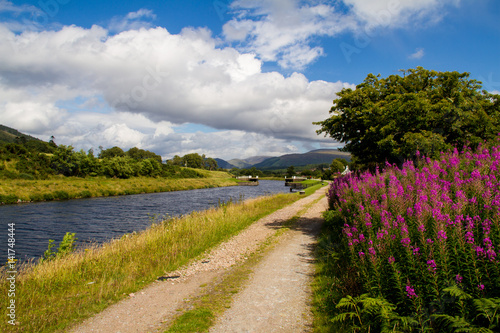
<point x="389" y="119"/>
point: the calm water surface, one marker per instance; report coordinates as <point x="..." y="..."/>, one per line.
<point x="100" y="219"/>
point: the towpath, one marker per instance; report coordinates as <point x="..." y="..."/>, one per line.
<point x="275" y="299"/>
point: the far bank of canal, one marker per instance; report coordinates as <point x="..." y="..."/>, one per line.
<point x="104" y="218"/>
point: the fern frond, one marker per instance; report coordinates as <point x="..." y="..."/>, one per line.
<point x="455" y="324"/>
<point x="488" y="308"/>
<point x="457" y="292"/>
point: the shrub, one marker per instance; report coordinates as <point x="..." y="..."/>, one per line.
<point x="190" y="173"/>
<point x="26" y="176"/>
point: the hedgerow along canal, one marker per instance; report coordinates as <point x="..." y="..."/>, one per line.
<point x="101" y="219"/>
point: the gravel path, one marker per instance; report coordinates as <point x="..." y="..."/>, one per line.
<point x="277" y="296"/>
<point x="149" y="309"/>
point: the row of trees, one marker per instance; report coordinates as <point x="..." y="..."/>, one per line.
<point x="38" y="160"/>
<point x="194" y="160"/>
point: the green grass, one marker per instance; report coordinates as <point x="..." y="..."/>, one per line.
<point x="56" y="294"/>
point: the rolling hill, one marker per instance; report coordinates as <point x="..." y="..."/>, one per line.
<point x="319" y="156"/>
<point x="248" y="162"/>
<point x="8" y="134"/>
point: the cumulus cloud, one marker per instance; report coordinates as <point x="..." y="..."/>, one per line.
<point x="132" y="84"/>
<point x="162" y="77"/>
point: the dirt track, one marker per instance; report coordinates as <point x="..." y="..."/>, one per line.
<point x="276" y="299"/>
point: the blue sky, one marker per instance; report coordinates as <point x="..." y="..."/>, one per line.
<point x="228" y="79"/>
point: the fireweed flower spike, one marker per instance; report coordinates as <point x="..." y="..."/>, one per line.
<point x="425" y="213"/>
<point x="410" y="292"/>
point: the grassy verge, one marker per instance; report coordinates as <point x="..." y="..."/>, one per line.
<point x="333" y="279"/>
<point x="60" y="188"/>
<point x="56" y="294"/>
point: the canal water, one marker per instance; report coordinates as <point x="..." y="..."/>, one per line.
<point x="104" y="218"/>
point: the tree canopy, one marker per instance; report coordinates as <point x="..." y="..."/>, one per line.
<point x="389" y="119"/>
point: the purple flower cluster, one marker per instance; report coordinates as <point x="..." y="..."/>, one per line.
<point x="420" y="216"/>
<point x="410" y="292"/>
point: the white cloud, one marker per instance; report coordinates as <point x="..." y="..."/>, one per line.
<point x="281" y="30"/>
<point x="150" y="80"/>
<point x="136" y="85"/>
<point x="285" y="31"/>
<point x="418" y="54"/>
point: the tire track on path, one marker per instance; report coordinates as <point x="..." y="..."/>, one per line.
<point x="277" y="297"/>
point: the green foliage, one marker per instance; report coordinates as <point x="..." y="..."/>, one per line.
<point x="338" y="165"/>
<point x="8" y="199"/>
<point x="371" y="314"/>
<point x="112" y="152"/>
<point x="49" y="254"/>
<point x="390" y="118"/>
<point x="141" y="154"/>
<point x="210" y="164"/>
<point x="247" y="172"/>
<point x="195" y="161"/>
<point x="290" y="171"/>
<point x="61" y="195"/>
<point x="66" y="246"/>
<point x="39" y="160"/>
<point x="190" y="173"/>
<point x="119" y="167"/>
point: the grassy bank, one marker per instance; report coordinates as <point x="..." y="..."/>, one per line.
<point x="57" y="294"/>
<point x="61" y="188"/>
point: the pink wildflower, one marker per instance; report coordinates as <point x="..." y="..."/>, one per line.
<point x="432" y="265"/>
<point x="410" y="292"/>
<point x="441" y="235"/>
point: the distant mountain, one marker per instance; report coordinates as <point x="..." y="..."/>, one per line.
<point x="8" y="134"/>
<point x="319" y="156"/>
<point x="247" y="162"/>
<point x="224" y="164"/>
